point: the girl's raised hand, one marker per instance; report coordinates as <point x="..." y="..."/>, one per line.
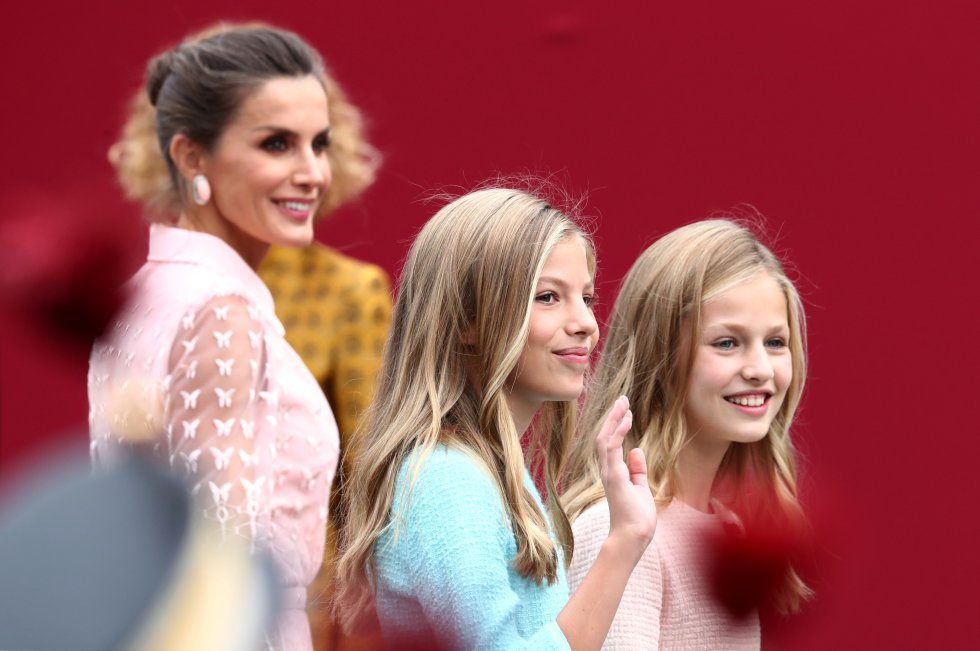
<point x="632" y="510"/>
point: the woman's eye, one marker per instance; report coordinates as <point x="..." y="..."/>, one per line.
<point x="776" y="342"/>
<point x="590" y="301"/>
<point x="724" y="344"/>
<point x="321" y="143"/>
<point x="548" y="298"/>
<point x="275" y="144"/>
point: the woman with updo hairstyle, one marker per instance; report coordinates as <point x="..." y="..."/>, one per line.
<point x="196" y="372"/>
<point x="336" y="309"/>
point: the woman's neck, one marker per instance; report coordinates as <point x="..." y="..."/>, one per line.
<point x="522" y="413"/>
<point x="696" y="469"/>
<point x="207" y="220"/>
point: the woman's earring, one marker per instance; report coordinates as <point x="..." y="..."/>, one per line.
<point x="200" y="189"/>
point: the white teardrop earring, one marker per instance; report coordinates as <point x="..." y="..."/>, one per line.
<point x="200" y="189"/>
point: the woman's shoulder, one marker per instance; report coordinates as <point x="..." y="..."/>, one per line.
<point x="447" y="485"/>
<point x="182" y="290"/>
<point x="448" y="468"/>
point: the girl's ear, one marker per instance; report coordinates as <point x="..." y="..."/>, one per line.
<point x="188" y="156"/>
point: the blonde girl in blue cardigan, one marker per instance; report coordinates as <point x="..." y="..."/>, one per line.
<point x="446" y="538"/>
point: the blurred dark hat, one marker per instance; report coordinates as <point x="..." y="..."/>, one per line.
<point x="121" y="559"/>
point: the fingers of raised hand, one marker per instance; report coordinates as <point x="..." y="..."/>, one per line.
<point x="637" y="464"/>
<point x="612" y="432"/>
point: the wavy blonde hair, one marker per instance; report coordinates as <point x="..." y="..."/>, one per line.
<point x="460" y="323"/>
<point x="142" y="169"/>
<point x="648" y="355"/>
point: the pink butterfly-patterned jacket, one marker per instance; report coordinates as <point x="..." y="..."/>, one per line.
<point x="198" y="361"/>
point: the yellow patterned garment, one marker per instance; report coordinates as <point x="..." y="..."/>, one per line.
<point x="336" y="311"/>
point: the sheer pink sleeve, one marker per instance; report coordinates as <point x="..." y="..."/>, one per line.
<point x="216" y="405"/>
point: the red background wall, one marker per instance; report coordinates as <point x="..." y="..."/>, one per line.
<point x="853" y="126"/>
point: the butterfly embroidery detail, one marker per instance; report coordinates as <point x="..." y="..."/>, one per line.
<point x="224" y="397"/>
<point x="271" y="397"/>
<point x="248" y="428"/>
<point x="189" y="345"/>
<point x="222" y="457"/>
<point x="223" y="426"/>
<point x="188" y="321"/>
<point x="221" y="313"/>
<point x="311" y="477"/>
<point x="254" y="365"/>
<point x="190" y="398"/>
<point x="253" y="489"/>
<point x="225" y="365"/>
<point x="190" y="460"/>
<point x="249" y="459"/>
<point x="253" y="313"/>
<point x="223" y="338"/>
<point x="191" y="372"/>
<point x="254" y="339"/>
<point x="220" y="494"/>
<point x="279" y="475"/>
<point x="190" y="428"/>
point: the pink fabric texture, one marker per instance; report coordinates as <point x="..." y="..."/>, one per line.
<point x="198" y="359"/>
<point x="667" y="603"/>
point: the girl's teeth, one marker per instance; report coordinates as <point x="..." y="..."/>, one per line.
<point x="292" y="205"/>
<point x="747" y="401"/>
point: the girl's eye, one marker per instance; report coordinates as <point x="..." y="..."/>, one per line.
<point x="275" y="144"/>
<point x="589" y="300"/>
<point x="321" y="143"/>
<point x="776" y="342"/>
<point x="548" y="298"/>
<point x="724" y="344"/>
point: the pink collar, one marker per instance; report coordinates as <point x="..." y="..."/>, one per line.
<point x="171" y="244"/>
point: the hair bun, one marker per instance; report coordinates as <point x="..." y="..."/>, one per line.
<point x="157" y="72"/>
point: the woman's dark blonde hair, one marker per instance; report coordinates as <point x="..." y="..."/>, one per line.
<point x="460" y="323"/>
<point x="142" y="168"/>
<point x="648" y="355"/>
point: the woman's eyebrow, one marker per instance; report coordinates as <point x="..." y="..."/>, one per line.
<point x="560" y="282"/>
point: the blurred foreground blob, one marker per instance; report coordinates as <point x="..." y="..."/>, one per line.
<point x="120" y="559"/>
<point x="753" y="559"/>
<point x="64" y="266"/>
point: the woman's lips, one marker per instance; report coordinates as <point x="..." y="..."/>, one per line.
<point x="298" y="209"/>
<point x="753" y="403"/>
<point x="576" y="355"/>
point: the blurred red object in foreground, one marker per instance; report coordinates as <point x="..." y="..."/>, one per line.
<point x="64" y="265"/>
<point x="751" y="562"/>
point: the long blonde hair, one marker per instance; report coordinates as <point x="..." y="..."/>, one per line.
<point x="460" y="324"/>
<point x="648" y="354"/>
<point x="142" y="169"/>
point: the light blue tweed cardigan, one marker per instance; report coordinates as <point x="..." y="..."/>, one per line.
<point x="445" y="572"/>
